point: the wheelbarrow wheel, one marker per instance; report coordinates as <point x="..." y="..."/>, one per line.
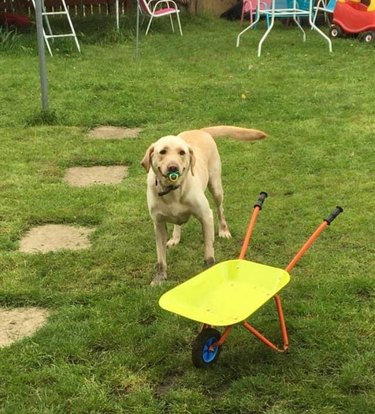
<point x="202" y="355"/>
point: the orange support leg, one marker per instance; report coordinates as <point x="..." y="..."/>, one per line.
<point x="284" y="333"/>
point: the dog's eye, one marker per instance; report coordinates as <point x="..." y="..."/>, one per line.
<point x="182" y="152"/>
<point x="163" y="152"/>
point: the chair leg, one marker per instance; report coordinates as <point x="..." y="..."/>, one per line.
<point x="148" y="26"/>
<point x="172" y="25"/>
<point x="179" y="23"/>
<point x="314" y="18"/>
<point x="170" y="18"/>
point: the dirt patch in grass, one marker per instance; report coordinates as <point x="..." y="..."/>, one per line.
<point x="86" y="176"/>
<point x="112" y="132"/>
<point x="18" y="323"/>
<point x="53" y="237"/>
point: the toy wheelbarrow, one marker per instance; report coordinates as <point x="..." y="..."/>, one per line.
<point x="231" y="291"/>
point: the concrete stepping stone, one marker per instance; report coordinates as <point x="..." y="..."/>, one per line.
<point x="54" y="237"/>
<point x="112" y="132"/>
<point x="86" y="176"/>
<point x="17" y="323"/>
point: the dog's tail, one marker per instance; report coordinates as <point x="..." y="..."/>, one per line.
<point x="240" y="134"/>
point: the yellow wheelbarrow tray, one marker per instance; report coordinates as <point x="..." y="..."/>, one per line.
<point x="229" y="292"/>
<point x="226" y="293"/>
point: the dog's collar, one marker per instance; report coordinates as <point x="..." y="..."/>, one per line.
<point x="167" y="189"/>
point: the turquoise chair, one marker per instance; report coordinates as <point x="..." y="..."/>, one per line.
<point x="326" y="8"/>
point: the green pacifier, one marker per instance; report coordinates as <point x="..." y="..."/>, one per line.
<point x="173" y="176"/>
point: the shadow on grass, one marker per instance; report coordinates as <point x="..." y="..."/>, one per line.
<point x="43" y="117"/>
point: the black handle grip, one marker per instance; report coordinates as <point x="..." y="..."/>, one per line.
<point x="334" y="214"/>
<point x="261" y="198"/>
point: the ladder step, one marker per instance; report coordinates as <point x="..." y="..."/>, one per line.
<point x="47" y="29"/>
<point x="60" y="35"/>
<point x="54" y="13"/>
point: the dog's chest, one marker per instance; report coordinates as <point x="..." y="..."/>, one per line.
<point x="175" y="213"/>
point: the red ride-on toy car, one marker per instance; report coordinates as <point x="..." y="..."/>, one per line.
<point x="354" y="17"/>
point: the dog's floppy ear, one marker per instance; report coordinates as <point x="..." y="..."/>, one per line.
<point x="146" y="162"/>
<point x="192" y="160"/>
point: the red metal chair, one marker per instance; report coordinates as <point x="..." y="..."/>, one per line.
<point x="251" y="7"/>
<point x="248" y="7"/>
<point x="160" y="8"/>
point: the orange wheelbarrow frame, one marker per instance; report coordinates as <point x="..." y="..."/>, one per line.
<point x="207" y="345"/>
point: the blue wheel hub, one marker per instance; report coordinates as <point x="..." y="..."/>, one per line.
<point x="209" y="355"/>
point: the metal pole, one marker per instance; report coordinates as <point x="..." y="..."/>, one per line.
<point x="137" y="33"/>
<point x="42" y="54"/>
<point x="117" y="15"/>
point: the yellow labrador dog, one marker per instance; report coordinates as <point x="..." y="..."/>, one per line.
<point x="180" y="168"/>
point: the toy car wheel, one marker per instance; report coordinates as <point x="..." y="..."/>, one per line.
<point x="367" y="37"/>
<point x="335" y="31"/>
<point x="202" y="354"/>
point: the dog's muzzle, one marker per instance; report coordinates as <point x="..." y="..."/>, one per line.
<point x="173" y="176"/>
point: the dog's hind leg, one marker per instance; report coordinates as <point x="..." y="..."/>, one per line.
<point x="205" y="216"/>
<point x="216" y="189"/>
<point x="176" y="236"/>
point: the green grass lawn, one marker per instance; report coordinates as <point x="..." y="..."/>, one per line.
<point x="108" y="347"/>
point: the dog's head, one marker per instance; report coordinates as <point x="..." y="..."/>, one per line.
<point x="169" y="155"/>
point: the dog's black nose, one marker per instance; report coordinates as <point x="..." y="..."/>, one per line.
<point x="172" y="169"/>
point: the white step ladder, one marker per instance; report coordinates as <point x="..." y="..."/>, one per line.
<point x="49" y="35"/>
